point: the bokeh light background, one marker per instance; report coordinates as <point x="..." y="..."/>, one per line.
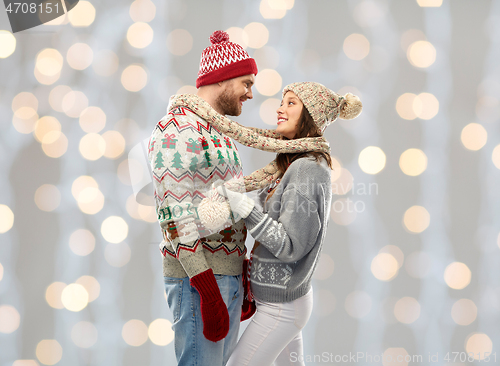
<point x="410" y="263"/>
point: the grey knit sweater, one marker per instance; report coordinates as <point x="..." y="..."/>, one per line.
<point x="291" y="227"/>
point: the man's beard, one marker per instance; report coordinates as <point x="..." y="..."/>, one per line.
<point x="228" y="103"/>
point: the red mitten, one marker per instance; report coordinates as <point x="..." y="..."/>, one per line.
<point x="248" y="308"/>
<point x="213" y="309"/>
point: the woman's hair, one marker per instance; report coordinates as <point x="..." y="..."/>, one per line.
<point x="305" y="128"/>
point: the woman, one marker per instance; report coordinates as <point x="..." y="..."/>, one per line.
<point x="289" y="227"/>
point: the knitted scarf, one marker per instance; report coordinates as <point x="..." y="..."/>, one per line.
<point x="262" y="139"/>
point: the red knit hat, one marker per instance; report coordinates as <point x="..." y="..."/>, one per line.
<point x="223" y="60"/>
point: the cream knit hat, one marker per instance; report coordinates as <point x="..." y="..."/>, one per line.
<point x="323" y="104"/>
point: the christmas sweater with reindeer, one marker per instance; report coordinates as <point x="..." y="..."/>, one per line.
<point x="187" y="155"/>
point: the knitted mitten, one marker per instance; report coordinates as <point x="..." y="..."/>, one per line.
<point x="213" y="309"/>
<point x="248" y="308"/>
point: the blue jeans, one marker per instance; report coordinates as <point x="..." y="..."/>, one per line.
<point x="191" y="346"/>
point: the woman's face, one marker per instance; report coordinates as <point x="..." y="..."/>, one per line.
<point x="289" y="114"/>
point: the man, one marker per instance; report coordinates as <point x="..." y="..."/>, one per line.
<point x="202" y="270"/>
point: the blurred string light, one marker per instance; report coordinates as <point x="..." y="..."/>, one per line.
<point x="86" y="192"/>
<point x="92" y="146"/>
<point x="74" y="102"/>
<point x="114" y="229"/>
<point x="134" y="78"/>
<point x="356" y="46"/>
<point x="384" y="267"/>
<point x="258" y="35"/>
<point x="82" y="15"/>
<point x="25" y="363"/>
<point x="396" y="252"/>
<point x="238" y="35"/>
<point x="140" y="212"/>
<point x="275" y="9"/>
<point x="421" y="54"/>
<point x="430" y="3"/>
<point x="396" y="353"/>
<point x="342" y="212"/>
<point x="84" y="334"/>
<point x="140" y="35"/>
<point x="488" y="109"/>
<point x="25" y="108"/>
<point x="267" y="111"/>
<point x="368" y="13"/>
<point x="7" y="43"/>
<point x="75" y="297"/>
<point x="424" y="106"/>
<point x="457" y="275"/>
<point x="115" y="144"/>
<point x="9" y="319"/>
<point x="372" y="160"/>
<point x="344" y="183"/>
<point x="91" y="285"/>
<point x="135" y="332"/>
<point x="55" y="144"/>
<point x="268" y="82"/>
<point x="479" y="345"/>
<point x="413" y="162"/>
<point x="47" y="129"/>
<point x="47" y="197"/>
<point x="410" y="36"/>
<point x="416" y="219"/>
<point x="187" y="89"/>
<point x="57" y="95"/>
<point x="160" y="332"/>
<point x="464" y="312"/>
<point x="48" y="66"/>
<point x="92" y="119"/>
<point x="82" y="242"/>
<point x="53" y="295"/>
<point x="407" y="310"/>
<point x="180" y="42"/>
<point x="337" y="169"/>
<point x="474" y="136"/>
<point x="495" y="157"/>
<point x="79" y="56"/>
<point x="142" y="11"/>
<point x="49" y="352"/>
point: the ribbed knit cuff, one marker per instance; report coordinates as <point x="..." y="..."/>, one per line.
<point x="245" y="206"/>
<point x="206" y="285"/>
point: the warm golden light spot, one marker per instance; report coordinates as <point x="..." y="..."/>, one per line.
<point x="49" y="351"/>
<point x="147" y="213"/>
<point x="105" y="63"/>
<point x="358" y="304"/>
<point x="25" y="107"/>
<point x="410" y="36"/>
<point x="464" y="312"/>
<point x="47" y="197"/>
<point x="140" y="35"/>
<point x="395" y="357"/>
<point x="384" y="267"/>
<point x="82" y="15"/>
<point x="91" y="285"/>
<point x="407" y="105"/>
<point x="488" y="108"/>
<point x="25" y="113"/>
<point x="92" y="119"/>
<point x="82" y="182"/>
<point x="395" y="252"/>
<point x="134" y="78"/>
<point x="135" y="332"/>
<point x="238" y="35"/>
<point x="74" y="297"/>
<point x="9" y="319"/>
<point x="53" y="295"/>
<point x="495" y="156"/>
<point x="92" y="146"/>
<point x="337" y="169"/>
<point x="407" y="310"/>
<point x="82" y="242"/>
<point x="74" y="103"/>
<point x="7" y="43"/>
<point x="57" y="147"/>
<point x="356" y="46"/>
<point x="160" y="332"/>
<point x="25" y="363"/>
<point x="325" y="267"/>
<point x="25" y="126"/>
<point x="117" y="255"/>
<point x="343" y="211"/>
<point x="421" y="54"/>
<point x="372" y="160"/>
<point x="90" y="201"/>
<point x="457" y="275"/>
<point x="273" y="9"/>
<point x="368" y="13"/>
<point x="429" y="106"/>
<point x="416" y="219"/>
<point x="56" y="97"/>
<point x="430" y="3"/>
<point x="480" y="345"/>
<point x="474" y="136"/>
<point x="49" y="62"/>
<point x="80" y="56"/>
<point x="45" y="125"/>
<point x="25" y="99"/>
<point x="115" y="144"/>
<point x="114" y="229"/>
<point x="413" y="162"/>
<point x="6" y="218"/>
<point x="180" y="42"/>
<point x="258" y="35"/>
<point x="326" y="302"/>
<point x="132" y="207"/>
<point x="187" y="89"/>
<point x="268" y="82"/>
<point x="343" y="183"/>
<point x="142" y="11"/>
<point x="84" y="334"/>
<point x="267" y="111"/>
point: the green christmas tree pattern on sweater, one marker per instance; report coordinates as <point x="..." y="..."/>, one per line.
<point x="159" y="161"/>
<point x="177" y="162"/>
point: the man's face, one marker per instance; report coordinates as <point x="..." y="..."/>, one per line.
<point x="234" y="93"/>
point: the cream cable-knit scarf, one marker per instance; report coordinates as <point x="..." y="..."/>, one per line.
<point x="262" y="139"/>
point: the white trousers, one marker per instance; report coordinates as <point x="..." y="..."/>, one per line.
<point x="274" y="335"/>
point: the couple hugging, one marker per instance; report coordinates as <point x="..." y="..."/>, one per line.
<point x="204" y="213"/>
